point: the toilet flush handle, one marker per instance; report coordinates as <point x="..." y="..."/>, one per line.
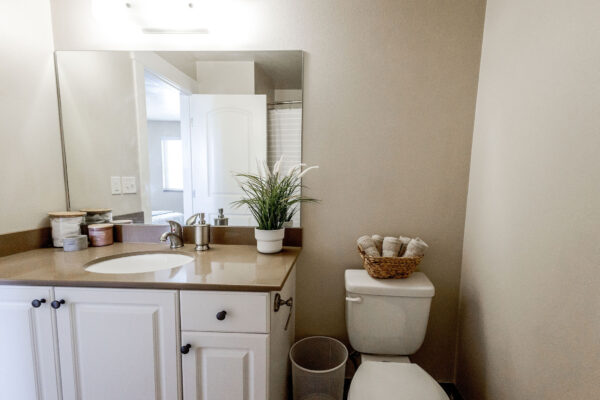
<point x="354" y="299"/>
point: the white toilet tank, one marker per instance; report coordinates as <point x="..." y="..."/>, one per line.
<point x="387" y="316"/>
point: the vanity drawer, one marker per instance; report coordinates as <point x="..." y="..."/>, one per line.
<point x="224" y="311"/>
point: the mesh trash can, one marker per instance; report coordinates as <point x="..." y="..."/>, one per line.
<point x="318" y="368"/>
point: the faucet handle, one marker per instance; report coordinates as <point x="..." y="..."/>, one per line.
<point x="176" y="228"/>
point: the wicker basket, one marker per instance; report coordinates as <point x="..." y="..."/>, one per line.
<point x="389" y="267"/>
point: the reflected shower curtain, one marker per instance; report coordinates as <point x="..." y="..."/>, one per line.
<point x="284" y="137"/>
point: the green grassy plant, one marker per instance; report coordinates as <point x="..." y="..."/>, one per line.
<point x="271" y="197"/>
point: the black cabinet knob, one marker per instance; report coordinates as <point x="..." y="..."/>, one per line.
<point x="36" y="303"/>
<point x="221" y="315"/>
<point x="186" y="349"/>
<point x="56" y="303"/>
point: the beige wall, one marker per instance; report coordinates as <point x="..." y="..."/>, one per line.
<point x="389" y="91"/>
<point x="31" y="178"/>
<point x="225" y="77"/>
<point x="98" y="103"/>
<point x="530" y="298"/>
<point x="263" y="84"/>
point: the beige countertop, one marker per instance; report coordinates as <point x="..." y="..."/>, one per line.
<point x="223" y="267"/>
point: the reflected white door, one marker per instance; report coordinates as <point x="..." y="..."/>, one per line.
<point x="228" y="135"/>
<point x="224" y="366"/>
<point x="27" y="353"/>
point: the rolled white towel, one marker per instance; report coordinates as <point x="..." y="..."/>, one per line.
<point x="391" y="246"/>
<point x="378" y="239"/>
<point x="367" y="245"/>
<point x="416" y="248"/>
<point x="405" y="240"/>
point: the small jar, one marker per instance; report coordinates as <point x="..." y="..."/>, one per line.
<point x="65" y="223"/>
<point x="100" y="234"/>
<point x="95" y="216"/>
<point x="75" y="243"/>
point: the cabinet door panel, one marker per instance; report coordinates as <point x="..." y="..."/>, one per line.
<point x="27" y="352"/>
<point x="225" y="366"/>
<point x="118" y="343"/>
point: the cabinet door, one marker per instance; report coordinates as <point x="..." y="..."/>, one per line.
<point x="118" y="344"/>
<point x="27" y="351"/>
<point x="225" y="366"/>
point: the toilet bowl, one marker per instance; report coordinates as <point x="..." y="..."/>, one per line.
<point x="386" y="321"/>
<point x="377" y="380"/>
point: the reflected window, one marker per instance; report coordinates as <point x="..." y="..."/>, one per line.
<point x="172" y="165"/>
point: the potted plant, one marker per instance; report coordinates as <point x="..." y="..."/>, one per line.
<point x="273" y="199"/>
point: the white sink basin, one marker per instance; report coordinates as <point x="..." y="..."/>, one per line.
<point x="138" y="263"/>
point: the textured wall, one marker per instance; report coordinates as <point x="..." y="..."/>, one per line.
<point x="389" y="91"/>
<point x="97" y="92"/>
<point x="530" y="304"/>
<point x="31" y="177"/>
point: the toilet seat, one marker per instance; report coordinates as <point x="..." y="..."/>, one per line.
<point x="376" y="380"/>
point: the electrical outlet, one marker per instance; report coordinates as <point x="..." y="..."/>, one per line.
<point x="115" y="184"/>
<point x="129" y="185"/>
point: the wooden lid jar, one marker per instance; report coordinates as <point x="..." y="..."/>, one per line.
<point x="65" y="223"/>
<point x="100" y="234"/>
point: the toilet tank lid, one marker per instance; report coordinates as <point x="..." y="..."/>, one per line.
<point x="417" y="285"/>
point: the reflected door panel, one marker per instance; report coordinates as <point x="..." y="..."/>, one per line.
<point x="228" y="135"/>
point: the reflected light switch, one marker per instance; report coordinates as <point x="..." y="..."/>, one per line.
<point x="129" y="185"/>
<point x="115" y="184"/>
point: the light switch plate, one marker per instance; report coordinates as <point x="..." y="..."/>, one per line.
<point x="115" y="184"/>
<point x="129" y="185"/>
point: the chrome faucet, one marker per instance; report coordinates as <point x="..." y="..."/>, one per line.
<point x="175" y="235"/>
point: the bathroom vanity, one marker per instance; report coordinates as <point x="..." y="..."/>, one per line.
<point x="216" y="327"/>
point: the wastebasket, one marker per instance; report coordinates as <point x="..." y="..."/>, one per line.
<point x="318" y="368"/>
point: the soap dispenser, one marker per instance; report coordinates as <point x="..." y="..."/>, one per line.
<point x="201" y="231"/>
<point x="221" y="220"/>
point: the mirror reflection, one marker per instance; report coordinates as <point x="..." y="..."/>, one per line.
<point x="155" y="136"/>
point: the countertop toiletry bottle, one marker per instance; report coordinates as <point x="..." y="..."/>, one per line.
<point x="201" y="231"/>
<point x="221" y="220"/>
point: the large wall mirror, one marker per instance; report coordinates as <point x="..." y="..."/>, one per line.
<point x="157" y="136"/>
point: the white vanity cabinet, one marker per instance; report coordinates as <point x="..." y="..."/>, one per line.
<point x="127" y="344"/>
<point x="114" y="343"/>
<point x="235" y="344"/>
<point x="27" y="351"/>
<point x="118" y="343"/>
<point x="225" y="366"/>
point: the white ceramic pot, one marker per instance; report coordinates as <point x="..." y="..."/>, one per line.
<point x="269" y="241"/>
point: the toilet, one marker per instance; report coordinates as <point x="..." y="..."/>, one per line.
<point x="386" y="321"/>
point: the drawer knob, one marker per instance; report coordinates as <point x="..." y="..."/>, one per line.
<point x="56" y="303"/>
<point x="36" y="303"/>
<point x="186" y="349"/>
<point x="221" y="315"/>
